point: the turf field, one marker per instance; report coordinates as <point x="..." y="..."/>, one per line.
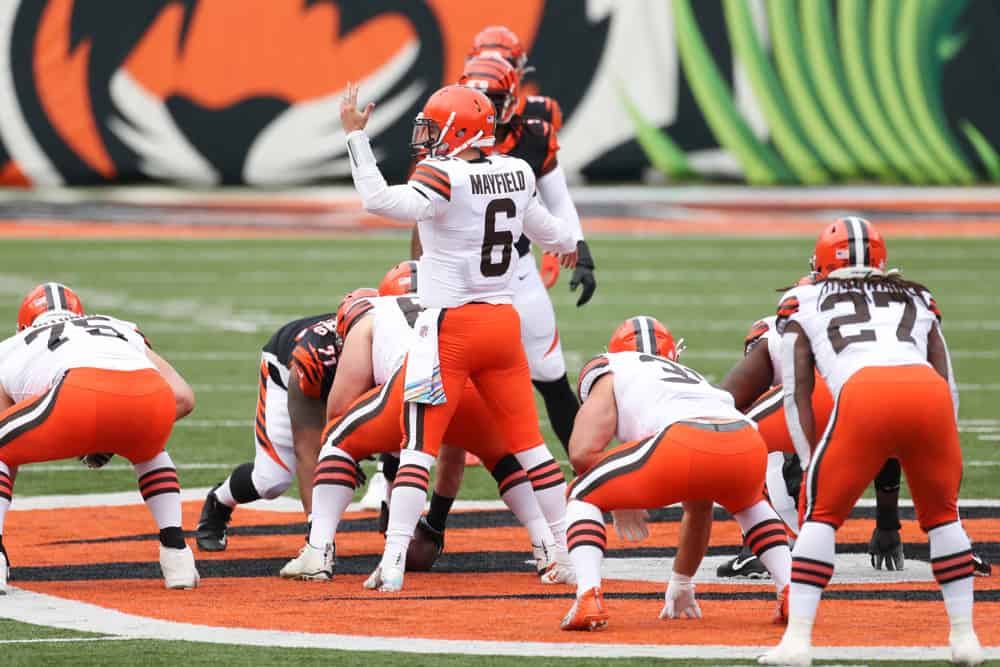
<point x="208" y="306"/>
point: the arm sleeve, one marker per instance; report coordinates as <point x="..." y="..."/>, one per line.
<point x="543" y="228"/>
<point x="399" y="202"/>
<point x="555" y="194"/>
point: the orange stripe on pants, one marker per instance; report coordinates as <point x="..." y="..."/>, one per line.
<point x="92" y="410"/>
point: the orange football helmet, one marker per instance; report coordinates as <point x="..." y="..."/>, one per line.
<point x="848" y="242"/>
<point x="502" y="41"/>
<point x="644" y="334"/>
<point x="497" y="79"/>
<point x="400" y="280"/>
<point x="44" y="298"/>
<point x="454" y="118"/>
<point x="352" y="307"/>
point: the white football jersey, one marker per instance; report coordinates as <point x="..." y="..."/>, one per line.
<point x="480" y="208"/>
<point x="852" y="328"/>
<point x="392" y="333"/>
<point x="652" y="392"/>
<point x="765" y="330"/>
<point x="33" y="360"/>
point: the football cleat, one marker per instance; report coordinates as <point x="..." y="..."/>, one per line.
<point x="981" y="566"/>
<point x="587" y="613"/>
<point x="885" y="547"/>
<point x="177" y="565"/>
<point x="745" y="564"/>
<point x="425" y="547"/>
<point x="781" y="612"/>
<point x="375" y="494"/>
<point x="558" y="569"/>
<point x="541" y="557"/>
<point x="965" y="647"/>
<point x="312" y="563"/>
<point x="213" y="523"/>
<point x="385" y="579"/>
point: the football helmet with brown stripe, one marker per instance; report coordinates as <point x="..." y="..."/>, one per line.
<point x="645" y="334"/>
<point x="47" y="298"/>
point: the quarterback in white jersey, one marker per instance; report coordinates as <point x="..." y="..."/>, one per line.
<point x="875" y="339"/>
<point x="684" y="441"/>
<point x="88" y="387"/>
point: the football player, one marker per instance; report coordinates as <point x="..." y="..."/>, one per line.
<point x="684" y="441"/>
<point x="875" y="338"/>
<point x="297" y="366"/>
<point x="470" y="207"/>
<point x="368" y="396"/>
<point x="89" y="386"/>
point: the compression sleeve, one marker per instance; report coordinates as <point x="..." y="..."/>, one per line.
<point x="555" y="195"/>
<point x="399" y="202"/>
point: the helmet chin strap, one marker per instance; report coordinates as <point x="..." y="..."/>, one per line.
<point x="474" y="142"/>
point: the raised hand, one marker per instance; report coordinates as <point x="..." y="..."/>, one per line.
<point x="350" y="118"/>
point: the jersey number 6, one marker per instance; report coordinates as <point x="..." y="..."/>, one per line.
<point x="493" y="238"/>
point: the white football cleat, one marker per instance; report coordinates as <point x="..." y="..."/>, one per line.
<point x="965" y="647"/>
<point x="375" y="494"/>
<point x="312" y="564"/>
<point x="177" y="565"/>
<point x="541" y="556"/>
<point x="385" y="579"/>
<point x="558" y="569"/>
<point x="4" y="573"/>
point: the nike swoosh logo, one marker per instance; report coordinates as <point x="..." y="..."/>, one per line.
<point x="738" y="564"/>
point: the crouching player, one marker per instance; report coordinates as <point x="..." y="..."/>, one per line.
<point x="684" y="442"/>
<point x="88" y="386"/>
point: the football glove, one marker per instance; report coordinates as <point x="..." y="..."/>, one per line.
<point x="549" y="270"/>
<point x="583" y="274"/>
<point x="631" y="524"/>
<point x="95" y="461"/>
<point x="886" y="548"/>
<point x="680" y="598"/>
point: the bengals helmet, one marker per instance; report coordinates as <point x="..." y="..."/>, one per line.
<point x="502" y="41"/>
<point x="400" y="280"/>
<point x="454" y="118"/>
<point x="497" y="79"/>
<point x="848" y="243"/>
<point x="352" y="307"/>
<point x="644" y="334"/>
<point x="47" y="298"/>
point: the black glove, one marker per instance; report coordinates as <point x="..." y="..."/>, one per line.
<point x="360" y="476"/>
<point x="583" y="274"/>
<point x="95" y="461"/>
<point x="886" y="547"/>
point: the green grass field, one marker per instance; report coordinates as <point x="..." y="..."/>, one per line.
<point x="208" y="306"/>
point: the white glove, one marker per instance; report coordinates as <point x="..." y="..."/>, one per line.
<point x="631" y="524"/>
<point x="680" y="598"/>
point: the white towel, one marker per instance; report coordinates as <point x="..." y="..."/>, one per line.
<point x="423" y="383"/>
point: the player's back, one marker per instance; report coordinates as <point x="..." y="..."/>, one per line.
<point x="392" y="332"/>
<point x="855" y="324"/>
<point x="652" y="392"/>
<point x="479" y="210"/>
<point x="37" y="357"/>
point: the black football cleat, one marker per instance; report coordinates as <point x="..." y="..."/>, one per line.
<point x="981" y="566"/>
<point x="213" y="524"/>
<point x="746" y="564"/>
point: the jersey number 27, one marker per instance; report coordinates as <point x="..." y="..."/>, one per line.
<point x="862" y="313"/>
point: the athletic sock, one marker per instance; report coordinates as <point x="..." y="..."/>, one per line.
<point x="6" y="493"/>
<point x="951" y="561"/>
<point x="437" y="515"/>
<point x="764" y="533"/>
<point x="161" y="491"/>
<point x="408" y="495"/>
<point x="238" y="489"/>
<point x="334" y="481"/>
<point x="561" y="406"/>
<point x="587" y="542"/>
<point x="549" y="485"/>
<point x="812" y="569"/>
<point x="516" y="492"/>
<point x="390" y="464"/>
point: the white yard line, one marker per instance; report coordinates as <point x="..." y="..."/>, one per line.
<point x="29" y="607"/>
<point x="65" y="640"/>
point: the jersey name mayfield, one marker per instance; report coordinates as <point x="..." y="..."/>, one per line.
<point x="479" y="211"/>
<point x="652" y="392"/>
<point x="33" y="360"/>
<point x="851" y="328"/>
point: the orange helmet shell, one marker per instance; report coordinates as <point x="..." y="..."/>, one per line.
<point x="400" y="280"/>
<point x="352" y="307"/>
<point x="502" y="41"/>
<point x="45" y="298"/>
<point x="497" y="79"/>
<point x="644" y="334"/>
<point x="455" y="118"/>
<point x="848" y="242"/>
